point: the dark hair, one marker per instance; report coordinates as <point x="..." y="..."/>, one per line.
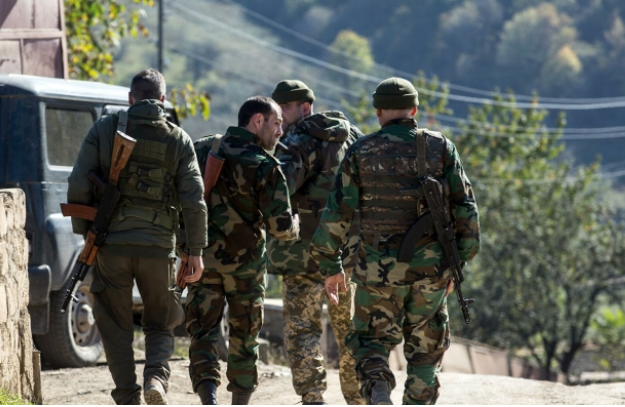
<point x="254" y="105"/>
<point x="148" y="84"/>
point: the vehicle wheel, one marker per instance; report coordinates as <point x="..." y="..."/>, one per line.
<point x="73" y="339"/>
<point x="224" y="332"/>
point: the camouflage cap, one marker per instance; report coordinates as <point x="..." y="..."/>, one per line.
<point x="395" y="93"/>
<point x="292" y="91"/>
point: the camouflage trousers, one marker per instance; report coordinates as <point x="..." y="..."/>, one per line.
<point x="204" y="312"/>
<point x="303" y="300"/>
<point x="385" y="315"/>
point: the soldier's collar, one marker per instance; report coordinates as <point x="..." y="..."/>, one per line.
<point x="243" y="134"/>
<point x="412" y="123"/>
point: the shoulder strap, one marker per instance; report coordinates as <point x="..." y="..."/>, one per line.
<point x="421" y="163"/>
<point x="217" y="143"/>
<point x="122" y="121"/>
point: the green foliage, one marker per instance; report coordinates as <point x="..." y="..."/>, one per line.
<point x="7" y="399"/>
<point x="188" y="102"/>
<point x="549" y="241"/>
<point x="351" y="43"/>
<point x="609" y="337"/>
<point x="94" y="30"/>
<point x="532" y="41"/>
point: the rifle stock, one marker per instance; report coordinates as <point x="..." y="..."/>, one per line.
<point x="182" y="271"/>
<point x="122" y="148"/>
<point x="214" y="164"/>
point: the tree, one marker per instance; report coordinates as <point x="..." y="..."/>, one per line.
<point x="609" y="337"/>
<point x="94" y="29"/>
<point x="550" y="244"/>
<point x="529" y="39"/>
<point x="350" y="43"/>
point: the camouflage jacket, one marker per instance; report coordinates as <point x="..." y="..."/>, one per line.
<point x="160" y="144"/>
<point x="312" y="153"/>
<point x="377" y="260"/>
<point x="249" y="201"/>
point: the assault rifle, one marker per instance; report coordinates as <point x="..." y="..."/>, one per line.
<point x="101" y="216"/>
<point x="437" y="218"/>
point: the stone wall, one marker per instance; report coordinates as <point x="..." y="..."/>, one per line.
<point x="16" y="344"/>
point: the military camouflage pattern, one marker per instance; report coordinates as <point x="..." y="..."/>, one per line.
<point x="249" y="201"/>
<point x="396" y="298"/>
<point x="392" y="149"/>
<point x="303" y="300"/>
<point x="316" y="147"/>
<point x="386" y="315"/>
<point x="164" y="161"/>
<point x="204" y="311"/>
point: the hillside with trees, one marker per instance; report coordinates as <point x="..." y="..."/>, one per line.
<point x="548" y="281"/>
<point x="566" y="50"/>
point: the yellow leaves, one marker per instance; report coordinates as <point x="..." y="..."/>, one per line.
<point x="188" y="102"/>
<point x="94" y="29"/>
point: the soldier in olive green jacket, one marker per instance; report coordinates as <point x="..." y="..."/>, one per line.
<point x="312" y="150"/>
<point x="161" y="178"/>
<point x="249" y="202"/>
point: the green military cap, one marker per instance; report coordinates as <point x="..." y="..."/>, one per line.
<point x="395" y="93"/>
<point x="292" y="91"/>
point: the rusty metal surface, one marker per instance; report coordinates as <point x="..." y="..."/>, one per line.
<point x="32" y="38"/>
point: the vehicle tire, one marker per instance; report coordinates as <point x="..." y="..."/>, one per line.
<point x="223" y="336"/>
<point x="73" y="339"/>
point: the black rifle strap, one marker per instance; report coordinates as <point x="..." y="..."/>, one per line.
<point x="421" y="163"/>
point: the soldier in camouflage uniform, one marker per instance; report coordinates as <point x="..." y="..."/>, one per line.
<point x="161" y="177"/>
<point x="314" y="146"/>
<point x="396" y="300"/>
<point x="249" y="201"/>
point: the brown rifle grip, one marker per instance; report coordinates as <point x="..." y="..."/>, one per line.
<point x="214" y="164"/>
<point x="122" y="148"/>
<point x="79" y="211"/>
<point x="182" y="272"/>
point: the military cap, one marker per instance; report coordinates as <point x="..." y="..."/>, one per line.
<point x="395" y="93"/>
<point x="292" y="91"/>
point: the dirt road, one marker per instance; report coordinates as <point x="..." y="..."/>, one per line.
<point x="93" y="385"/>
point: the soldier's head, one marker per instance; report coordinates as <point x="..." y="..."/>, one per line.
<point x="395" y="98"/>
<point x="295" y="100"/>
<point x="147" y="84"/>
<point x="262" y="116"/>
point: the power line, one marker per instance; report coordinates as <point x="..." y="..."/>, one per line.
<point x="199" y="58"/>
<point x="488" y="129"/>
<point x="462" y="88"/>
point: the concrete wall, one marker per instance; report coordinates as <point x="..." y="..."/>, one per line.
<point x="16" y="344"/>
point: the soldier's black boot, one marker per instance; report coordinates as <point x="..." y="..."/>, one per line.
<point x="207" y="390"/>
<point x="380" y="393"/>
<point x="241" y="399"/>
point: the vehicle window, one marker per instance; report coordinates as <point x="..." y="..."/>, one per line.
<point x="65" y="130"/>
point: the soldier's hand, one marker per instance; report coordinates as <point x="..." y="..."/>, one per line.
<point x="195" y="268"/>
<point x="334" y="284"/>
<point x="296" y="223"/>
<point x="450" y="286"/>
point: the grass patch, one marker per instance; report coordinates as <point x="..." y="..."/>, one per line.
<point x="7" y="399"/>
